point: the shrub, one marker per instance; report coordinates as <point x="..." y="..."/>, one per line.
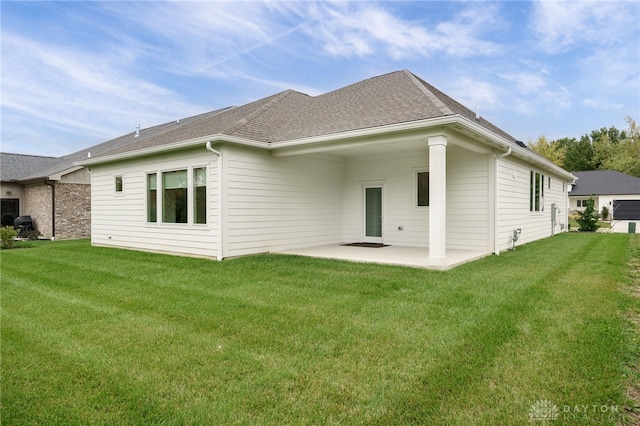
<point x="7" y="234"/>
<point x="588" y="219"/>
<point x="31" y="235"/>
<point x="605" y="213"/>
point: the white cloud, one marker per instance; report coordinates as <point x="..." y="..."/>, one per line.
<point x="600" y="103"/>
<point x="479" y="95"/>
<point x="87" y="95"/>
<point x="363" y="29"/>
<point x="201" y="36"/>
<point x="526" y="82"/>
<point x="561" y="25"/>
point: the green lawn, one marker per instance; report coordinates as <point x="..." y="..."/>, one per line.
<point x="107" y="336"/>
<point x="602" y="224"/>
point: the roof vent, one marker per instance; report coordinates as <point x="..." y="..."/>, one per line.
<point x="137" y="130"/>
<point x="88" y="155"/>
<point x="478" y="114"/>
<point x="522" y="144"/>
<point x="178" y="121"/>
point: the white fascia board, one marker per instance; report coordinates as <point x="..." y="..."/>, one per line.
<point x="191" y="143"/>
<point x="476" y="129"/>
<point x="516" y="150"/>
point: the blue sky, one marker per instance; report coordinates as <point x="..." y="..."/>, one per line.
<point x="75" y="74"/>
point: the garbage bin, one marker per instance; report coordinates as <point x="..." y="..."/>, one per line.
<point x="632" y="227"/>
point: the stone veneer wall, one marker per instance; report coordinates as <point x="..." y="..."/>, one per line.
<point x="37" y="204"/>
<point x="73" y="211"/>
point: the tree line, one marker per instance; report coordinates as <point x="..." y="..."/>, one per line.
<point x="603" y="149"/>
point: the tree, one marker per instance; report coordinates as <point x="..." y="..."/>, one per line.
<point x="623" y="156"/>
<point x="602" y="149"/>
<point x="579" y="156"/>
<point x="552" y="151"/>
<point x="588" y="219"/>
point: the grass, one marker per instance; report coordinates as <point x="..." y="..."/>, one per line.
<point x="602" y="224"/>
<point x="107" y="336"/>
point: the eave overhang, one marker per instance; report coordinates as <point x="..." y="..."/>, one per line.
<point x="419" y="130"/>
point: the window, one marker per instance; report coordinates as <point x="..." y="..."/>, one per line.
<point x="422" y="192"/>
<point x="536" y="192"/>
<point x="152" y="197"/>
<point x="199" y="195"/>
<point x="179" y="196"/>
<point x="118" y="184"/>
<point x="582" y="203"/>
<point x="174" y="197"/>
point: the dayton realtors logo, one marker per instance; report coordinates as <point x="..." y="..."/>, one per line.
<point x="543" y="411"/>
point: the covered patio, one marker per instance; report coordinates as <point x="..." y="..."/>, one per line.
<point x="416" y="257"/>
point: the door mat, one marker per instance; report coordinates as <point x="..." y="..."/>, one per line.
<point x="370" y="245"/>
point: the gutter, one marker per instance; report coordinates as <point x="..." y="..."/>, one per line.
<point x="218" y="154"/>
<point x="496" y="157"/>
<point x="191" y="143"/>
<point x="53" y="207"/>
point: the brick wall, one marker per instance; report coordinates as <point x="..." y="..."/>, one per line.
<point x="73" y="211"/>
<point x="37" y="204"/>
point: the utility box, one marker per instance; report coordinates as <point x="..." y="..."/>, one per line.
<point x="632" y="227"/>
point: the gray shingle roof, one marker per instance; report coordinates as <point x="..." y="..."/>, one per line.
<point x="394" y="98"/>
<point x="14" y="167"/>
<point x="605" y="182"/>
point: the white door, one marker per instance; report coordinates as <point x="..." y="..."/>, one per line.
<point x="373" y="214"/>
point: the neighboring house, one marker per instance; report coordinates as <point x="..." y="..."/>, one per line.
<point x="389" y="160"/>
<point x="54" y="192"/>
<point x="619" y="192"/>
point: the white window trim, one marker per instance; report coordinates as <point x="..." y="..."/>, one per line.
<point x="190" y="198"/>
<point x="542" y="188"/>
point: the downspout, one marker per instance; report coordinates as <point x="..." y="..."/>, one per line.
<point x="218" y="154"/>
<point x="53" y="207"/>
<point x="496" y="247"/>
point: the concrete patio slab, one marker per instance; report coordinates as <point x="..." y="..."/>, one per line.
<point x="393" y="255"/>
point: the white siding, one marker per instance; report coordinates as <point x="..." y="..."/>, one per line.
<point x="279" y="203"/>
<point x="513" y="203"/>
<point x="467" y="199"/>
<point x="396" y="174"/>
<point x="119" y="220"/>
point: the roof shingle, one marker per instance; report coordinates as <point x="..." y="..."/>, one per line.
<point x="605" y="182"/>
<point x="394" y="98"/>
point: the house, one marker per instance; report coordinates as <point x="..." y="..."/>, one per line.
<point x="54" y="191"/>
<point x="618" y="192"/>
<point x="390" y="161"/>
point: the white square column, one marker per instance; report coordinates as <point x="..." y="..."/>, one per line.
<point x="437" y="200"/>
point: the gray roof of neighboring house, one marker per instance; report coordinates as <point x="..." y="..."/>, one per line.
<point x="15" y="167"/>
<point x="605" y="182"/>
<point x="397" y="97"/>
